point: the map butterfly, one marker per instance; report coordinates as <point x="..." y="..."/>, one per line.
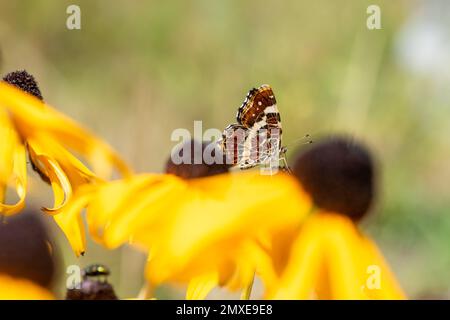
<point x="256" y="137"/>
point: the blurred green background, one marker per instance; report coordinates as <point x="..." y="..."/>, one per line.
<point x="137" y="70"/>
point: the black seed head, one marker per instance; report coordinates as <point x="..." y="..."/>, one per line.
<point x="27" y="250"/>
<point x="24" y="81"/>
<point x="339" y="175"/>
<point x="191" y="170"/>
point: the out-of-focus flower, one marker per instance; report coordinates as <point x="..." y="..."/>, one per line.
<point x="330" y="258"/>
<point x="28" y="124"/>
<point x="28" y="258"/>
<point x="21" y="289"/>
<point x="201" y="225"/>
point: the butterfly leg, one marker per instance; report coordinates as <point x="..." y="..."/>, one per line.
<point x="283" y="151"/>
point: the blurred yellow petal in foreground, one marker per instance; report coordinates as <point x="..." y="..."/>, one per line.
<point x="12" y="165"/>
<point x="195" y="228"/>
<point x="50" y="138"/>
<point x="21" y="289"/>
<point x="331" y="259"/>
<point x="199" y="287"/>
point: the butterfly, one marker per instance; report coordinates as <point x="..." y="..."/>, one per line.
<point x="256" y="137"/>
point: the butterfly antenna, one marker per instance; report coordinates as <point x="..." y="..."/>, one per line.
<point x="306" y="139"/>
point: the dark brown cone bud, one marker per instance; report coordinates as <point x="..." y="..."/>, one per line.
<point x="26" y="250"/>
<point x="92" y="290"/>
<point x="339" y="175"/>
<point x="25" y="81"/>
<point x="191" y="170"/>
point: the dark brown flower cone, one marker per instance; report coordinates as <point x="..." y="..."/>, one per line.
<point x="25" y="81"/>
<point x="339" y="175"/>
<point x="191" y="170"/>
<point x="26" y="250"/>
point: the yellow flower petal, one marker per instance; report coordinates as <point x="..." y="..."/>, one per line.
<point x="12" y="165"/>
<point x="251" y="258"/>
<point x="114" y="202"/>
<point x="43" y="144"/>
<point x="389" y="287"/>
<point x="21" y="289"/>
<point x="50" y="138"/>
<point x="62" y="189"/>
<point x="31" y="115"/>
<point x="2" y="192"/>
<point x="216" y="214"/>
<point x="330" y="260"/>
<point x="302" y="271"/>
<point x="201" y="286"/>
<point x="146" y="212"/>
<point x="69" y="219"/>
<point x="341" y="249"/>
<point x="20" y="174"/>
<point x="7" y="147"/>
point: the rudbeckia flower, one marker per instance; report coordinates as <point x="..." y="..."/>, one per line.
<point x="28" y="125"/>
<point x="330" y="257"/>
<point x="202" y="225"/>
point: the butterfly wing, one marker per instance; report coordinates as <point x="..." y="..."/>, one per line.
<point x="238" y="146"/>
<point x="259" y="108"/>
<point x="257" y="135"/>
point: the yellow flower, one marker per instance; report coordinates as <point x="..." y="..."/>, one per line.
<point x="27" y="124"/>
<point x="193" y="227"/>
<point x="220" y="226"/>
<point x="330" y="258"/>
<point x="21" y="289"/>
<point x="207" y="230"/>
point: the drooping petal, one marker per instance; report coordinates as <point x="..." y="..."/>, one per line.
<point x="20" y="176"/>
<point x="330" y="260"/>
<point x="341" y="247"/>
<point x="356" y="268"/>
<point x="8" y="145"/>
<point x="2" y="192"/>
<point x="74" y="168"/>
<point x="122" y="207"/>
<point x="69" y="219"/>
<point x="252" y="259"/>
<point x="12" y="165"/>
<point x="217" y="214"/>
<point x="148" y="211"/>
<point x="373" y="261"/>
<point x="62" y="189"/>
<point x="49" y="167"/>
<point x="32" y="115"/>
<point x="303" y="269"/>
